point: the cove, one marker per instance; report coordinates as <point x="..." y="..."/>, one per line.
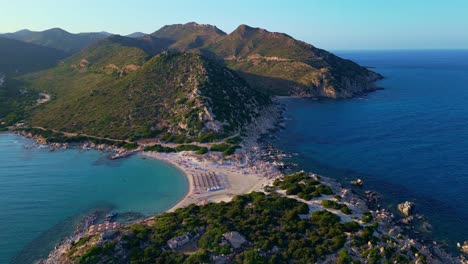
<point x="44" y="194"/>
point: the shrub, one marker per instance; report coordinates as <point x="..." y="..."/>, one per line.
<point x="367" y="217"/>
<point x="343" y="257"/>
<point x="159" y="148"/>
<point x="334" y="205"/>
<point x="234" y="140"/>
<point x="230" y="150"/>
<point x="187" y="148"/>
<point x="130" y="146"/>
<point x="220" y="147"/>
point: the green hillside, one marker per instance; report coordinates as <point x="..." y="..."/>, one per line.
<point x="18" y="58"/>
<point x="172" y="94"/>
<point x="115" y="88"/>
<point x="274" y="62"/>
<point x="189" y="36"/>
<point x="57" y="38"/>
<point x="278" y="63"/>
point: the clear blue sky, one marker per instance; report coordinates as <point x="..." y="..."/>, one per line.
<point x="330" y="24"/>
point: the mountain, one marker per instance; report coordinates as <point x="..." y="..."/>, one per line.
<point x="57" y="38"/>
<point x="111" y="90"/>
<point x="282" y="65"/>
<point x="136" y="35"/>
<point x="189" y="36"/>
<point x="272" y="62"/>
<point x="18" y="57"/>
<point x="128" y="88"/>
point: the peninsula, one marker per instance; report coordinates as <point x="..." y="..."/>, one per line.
<point x="199" y="98"/>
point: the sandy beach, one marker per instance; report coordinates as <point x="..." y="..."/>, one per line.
<point x="235" y="175"/>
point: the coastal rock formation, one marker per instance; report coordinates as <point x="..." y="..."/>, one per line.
<point x="406" y="208"/>
<point x="463" y="248"/>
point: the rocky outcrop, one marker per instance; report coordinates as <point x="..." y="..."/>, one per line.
<point x="406" y="208"/>
<point x="463" y="248"/>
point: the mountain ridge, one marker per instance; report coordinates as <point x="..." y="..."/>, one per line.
<point x="271" y="64"/>
<point x="57" y="38"/>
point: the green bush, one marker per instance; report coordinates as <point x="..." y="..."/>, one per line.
<point x="130" y="146"/>
<point x="334" y="205"/>
<point x="234" y="140"/>
<point x="343" y="257"/>
<point x="220" y="147"/>
<point x="159" y="148"/>
<point x="197" y="149"/>
<point x="231" y="150"/>
<point x="202" y="151"/>
<point x="367" y="217"/>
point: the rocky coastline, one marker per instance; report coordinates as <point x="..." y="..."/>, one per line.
<point x="397" y="228"/>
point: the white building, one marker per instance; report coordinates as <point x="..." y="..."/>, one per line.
<point x="178" y="241"/>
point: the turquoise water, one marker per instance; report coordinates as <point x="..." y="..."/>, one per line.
<point x="43" y="194"/>
<point x="409" y="141"/>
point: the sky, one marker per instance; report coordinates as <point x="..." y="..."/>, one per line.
<point x="330" y="24"/>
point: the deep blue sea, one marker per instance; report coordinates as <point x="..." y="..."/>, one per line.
<point x="408" y="141"/>
<point x="44" y="194"/>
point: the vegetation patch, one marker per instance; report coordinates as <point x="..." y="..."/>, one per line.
<point x="159" y="148"/>
<point x="271" y="225"/>
<point x="225" y="148"/>
<point x="234" y="140"/>
<point x="334" y="205"/>
<point x="367" y="217"/>
<point x="197" y="149"/>
<point x="302" y="185"/>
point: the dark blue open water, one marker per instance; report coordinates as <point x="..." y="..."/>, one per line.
<point x="409" y="141"/>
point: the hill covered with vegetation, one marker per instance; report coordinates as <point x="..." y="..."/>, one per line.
<point x="116" y="89"/>
<point x="269" y="61"/>
<point x="113" y="87"/>
<point x="57" y="38"/>
<point x="189" y="36"/>
<point x="274" y="62"/>
<point x="282" y="65"/>
<point x="18" y="58"/>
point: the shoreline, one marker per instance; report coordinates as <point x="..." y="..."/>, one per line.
<point x="246" y="171"/>
<point x="236" y="178"/>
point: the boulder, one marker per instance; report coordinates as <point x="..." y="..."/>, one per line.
<point x="463" y="248"/>
<point x="406" y="208"/>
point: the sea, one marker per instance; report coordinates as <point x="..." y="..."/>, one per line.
<point x="44" y="194"/>
<point x="409" y="141"/>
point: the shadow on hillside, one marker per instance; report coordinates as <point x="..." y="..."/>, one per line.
<point x="271" y="85"/>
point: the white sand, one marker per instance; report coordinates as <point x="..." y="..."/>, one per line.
<point x="236" y="178"/>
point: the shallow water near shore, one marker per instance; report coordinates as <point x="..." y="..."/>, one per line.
<point x="408" y="142"/>
<point x="44" y="194"/>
